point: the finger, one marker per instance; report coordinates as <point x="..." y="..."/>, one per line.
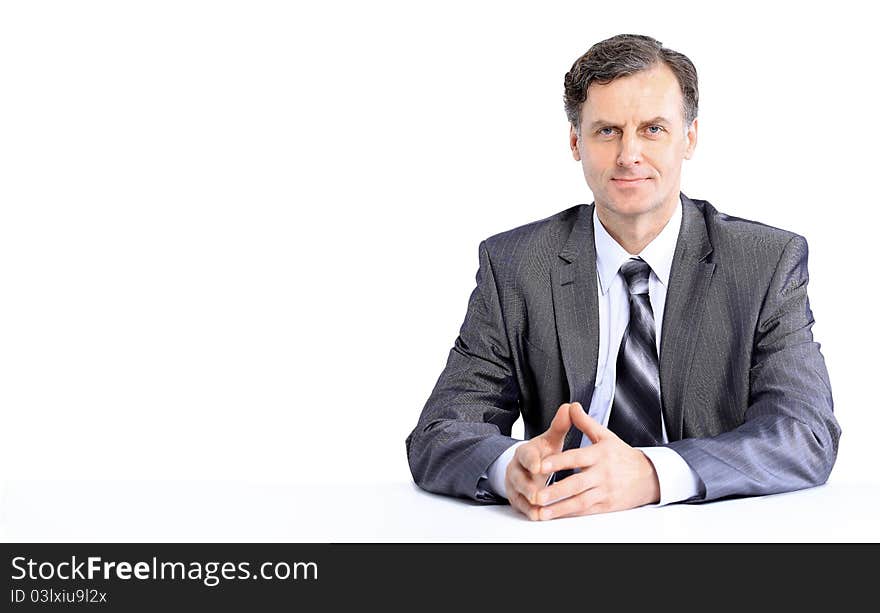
<point x="553" y="439"/>
<point x="586" y="424"/>
<point x="525" y="483"/>
<point x="522" y="505"/>
<point x="568" y="487"/>
<point x="561" y="423"/>
<point x="585" y="503"/>
<point x="519" y="480"/>
<point x="529" y="457"/>
<point x="573" y="458"/>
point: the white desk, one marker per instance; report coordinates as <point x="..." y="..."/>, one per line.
<point x="161" y="511"/>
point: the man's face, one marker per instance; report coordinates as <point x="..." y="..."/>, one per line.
<point x="633" y="141"/>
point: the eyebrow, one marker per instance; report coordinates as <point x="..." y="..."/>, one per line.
<point x="602" y="123"/>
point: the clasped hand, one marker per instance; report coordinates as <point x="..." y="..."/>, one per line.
<point x="613" y="476"/>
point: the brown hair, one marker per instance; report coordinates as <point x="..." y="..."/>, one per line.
<point x="623" y="55"/>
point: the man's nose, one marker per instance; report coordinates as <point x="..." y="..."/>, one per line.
<point x="630" y="152"/>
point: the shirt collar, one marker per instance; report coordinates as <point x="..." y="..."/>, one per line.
<point x="610" y="256"/>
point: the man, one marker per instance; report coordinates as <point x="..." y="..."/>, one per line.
<point x="659" y="351"/>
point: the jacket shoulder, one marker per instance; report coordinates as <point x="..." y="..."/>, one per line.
<point x="730" y="234"/>
<point x="541" y="238"/>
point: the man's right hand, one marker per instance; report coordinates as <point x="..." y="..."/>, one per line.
<point x="524" y="479"/>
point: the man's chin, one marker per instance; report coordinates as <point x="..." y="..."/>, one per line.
<point x="630" y="207"/>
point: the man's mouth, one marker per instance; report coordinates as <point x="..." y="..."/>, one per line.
<point x="631" y="181"/>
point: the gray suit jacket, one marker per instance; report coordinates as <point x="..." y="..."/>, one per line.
<point x="745" y="393"/>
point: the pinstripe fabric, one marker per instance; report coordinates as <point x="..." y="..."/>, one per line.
<point x="745" y="393"/>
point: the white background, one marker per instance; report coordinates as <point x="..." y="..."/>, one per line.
<point x="237" y="239"/>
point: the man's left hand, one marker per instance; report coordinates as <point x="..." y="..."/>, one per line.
<point x="613" y="476"/>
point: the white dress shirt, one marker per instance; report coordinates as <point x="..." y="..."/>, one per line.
<point x="677" y="480"/>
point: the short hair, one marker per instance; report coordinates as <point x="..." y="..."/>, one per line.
<point x="623" y="55"/>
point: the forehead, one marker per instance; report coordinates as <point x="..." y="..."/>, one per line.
<point x="642" y="95"/>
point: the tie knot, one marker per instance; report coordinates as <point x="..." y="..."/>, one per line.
<point x="635" y="272"/>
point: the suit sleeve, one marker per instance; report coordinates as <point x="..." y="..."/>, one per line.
<point x="466" y="423"/>
<point x="789" y="437"/>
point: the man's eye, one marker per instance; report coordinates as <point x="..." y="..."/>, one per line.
<point x="606" y="131"/>
<point x="654" y="129"/>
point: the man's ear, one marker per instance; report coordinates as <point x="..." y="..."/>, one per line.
<point x="691" y="135"/>
<point x="573" y="142"/>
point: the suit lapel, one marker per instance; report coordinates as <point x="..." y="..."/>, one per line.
<point x="577" y="313"/>
<point x="689" y="281"/>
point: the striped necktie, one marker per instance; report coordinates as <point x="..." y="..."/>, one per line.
<point x="635" y="412"/>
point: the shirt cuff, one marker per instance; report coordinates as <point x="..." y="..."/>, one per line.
<point x="678" y="481"/>
<point x="498" y="469"/>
